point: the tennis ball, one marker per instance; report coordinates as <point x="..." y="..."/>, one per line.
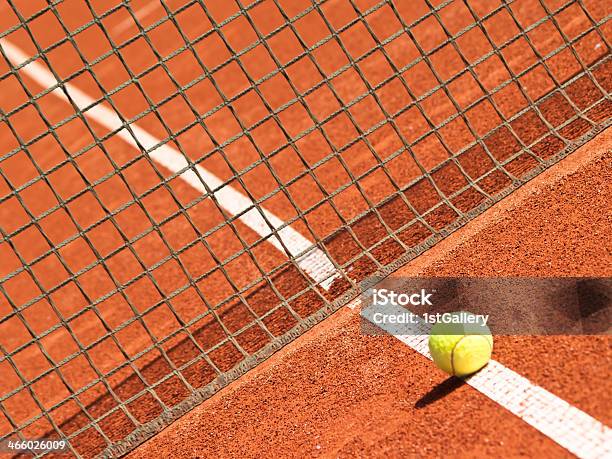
<point x="459" y="346"/>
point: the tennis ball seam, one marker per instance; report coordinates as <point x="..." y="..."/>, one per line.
<point x="452" y="356"/>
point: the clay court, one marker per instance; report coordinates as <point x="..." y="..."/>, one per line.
<point x="192" y="193"/>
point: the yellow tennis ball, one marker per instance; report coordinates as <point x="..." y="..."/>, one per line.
<point x="459" y="345"/>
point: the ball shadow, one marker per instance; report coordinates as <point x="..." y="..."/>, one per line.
<point x="440" y="391"/>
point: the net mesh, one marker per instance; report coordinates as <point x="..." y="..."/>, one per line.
<point x="185" y="186"/>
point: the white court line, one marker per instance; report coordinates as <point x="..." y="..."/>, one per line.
<point x="140" y="15"/>
<point x="311" y="259"/>
<point x="563" y="423"/>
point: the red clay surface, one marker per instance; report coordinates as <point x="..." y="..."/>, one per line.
<point x="169" y="229"/>
<point x="335" y="392"/>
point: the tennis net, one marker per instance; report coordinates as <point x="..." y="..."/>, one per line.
<point x="186" y="186"/>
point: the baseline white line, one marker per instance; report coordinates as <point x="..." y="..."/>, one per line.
<point x="140" y="15"/>
<point x="311" y="259"/>
<point x="573" y="429"/>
